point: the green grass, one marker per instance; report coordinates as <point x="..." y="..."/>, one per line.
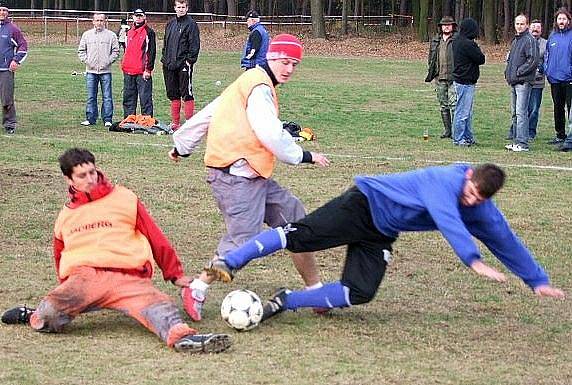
<point x="432" y="322"/>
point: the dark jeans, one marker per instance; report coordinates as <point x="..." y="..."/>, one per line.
<point x="561" y="95"/>
<point x="534" y="110"/>
<point x="133" y="86"/>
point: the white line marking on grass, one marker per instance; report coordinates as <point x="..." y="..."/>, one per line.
<point x="347" y="156"/>
<point x="431" y="161"/>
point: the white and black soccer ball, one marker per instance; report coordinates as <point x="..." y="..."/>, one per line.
<point x="241" y="309"/>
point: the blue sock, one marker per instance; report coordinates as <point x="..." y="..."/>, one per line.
<point x="258" y="246"/>
<point x="328" y="296"/>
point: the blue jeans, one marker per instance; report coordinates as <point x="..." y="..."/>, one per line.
<point x="92" y="82"/>
<point x="463" y="121"/>
<point x="533" y="110"/>
<point x="519" y="99"/>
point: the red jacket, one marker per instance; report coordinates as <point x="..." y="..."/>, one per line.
<point x="163" y="253"/>
<point x="140" y="50"/>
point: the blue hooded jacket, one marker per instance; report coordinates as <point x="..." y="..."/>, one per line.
<point x="558" y="57"/>
<point x="260" y="56"/>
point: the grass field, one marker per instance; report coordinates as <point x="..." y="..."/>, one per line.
<point x="432" y="322"/>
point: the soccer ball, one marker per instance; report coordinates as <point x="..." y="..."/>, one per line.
<point x="241" y="309"/>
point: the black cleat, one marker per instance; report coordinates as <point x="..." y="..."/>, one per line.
<point x="18" y="315"/>
<point x="276" y="304"/>
<point x="219" y="270"/>
<point x="203" y="343"/>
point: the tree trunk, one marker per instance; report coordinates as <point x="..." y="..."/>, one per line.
<point x="415" y="12"/>
<point x="345" y="17"/>
<point x="318" y="23"/>
<point x="447" y="11"/>
<point x="252" y="4"/>
<point x="489" y="21"/>
<point x="124" y="5"/>
<point x="422" y="25"/>
<point x="231" y="7"/>
<point x="507" y="20"/>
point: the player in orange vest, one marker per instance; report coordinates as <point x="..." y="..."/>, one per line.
<point x="105" y="243"/>
<point x="244" y="138"/>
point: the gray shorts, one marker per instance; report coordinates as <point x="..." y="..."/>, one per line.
<point x="248" y="203"/>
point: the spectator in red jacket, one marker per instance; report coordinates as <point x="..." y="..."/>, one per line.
<point x="105" y="243"/>
<point x="138" y="64"/>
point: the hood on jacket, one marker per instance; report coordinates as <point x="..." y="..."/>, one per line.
<point x="469" y="28"/>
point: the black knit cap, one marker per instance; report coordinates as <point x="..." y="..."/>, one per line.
<point x="252" y="14"/>
<point x="3" y="4"/>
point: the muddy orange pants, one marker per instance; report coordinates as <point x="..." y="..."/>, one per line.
<point x="89" y="289"/>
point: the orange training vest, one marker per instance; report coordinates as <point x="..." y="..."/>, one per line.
<point x="102" y="234"/>
<point x="230" y="136"/>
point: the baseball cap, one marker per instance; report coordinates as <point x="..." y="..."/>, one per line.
<point x="139" y="11"/>
<point x="252" y="14"/>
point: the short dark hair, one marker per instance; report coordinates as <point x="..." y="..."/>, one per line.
<point x="489" y="178"/>
<point x="522" y="15"/>
<point x="74" y="157"/>
<point x="536" y="21"/>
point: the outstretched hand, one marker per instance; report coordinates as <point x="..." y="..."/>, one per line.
<point x="173" y="155"/>
<point x="549" y="291"/>
<point x="320" y="159"/>
<point x="485" y="270"/>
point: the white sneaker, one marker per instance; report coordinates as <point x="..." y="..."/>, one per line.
<point x="509" y="146"/>
<point x="107" y="124"/>
<point x="518" y="148"/>
<point x="85" y="123"/>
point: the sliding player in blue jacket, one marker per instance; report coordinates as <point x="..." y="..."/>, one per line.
<point x="369" y="217"/>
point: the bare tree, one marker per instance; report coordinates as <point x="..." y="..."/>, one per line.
<point x="231" y="7"/>
<point x="345" y="6"/>
<point x="490" y="18"/>
<point x="318" y="23"/>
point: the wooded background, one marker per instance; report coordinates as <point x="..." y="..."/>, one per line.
<point x="495" y="17"/>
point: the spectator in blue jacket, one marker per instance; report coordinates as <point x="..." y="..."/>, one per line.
<point x="13" y="51"/>
<point x="369" y="217"/>
<point x="557" y="67"/>
<point x="257" y="44"/>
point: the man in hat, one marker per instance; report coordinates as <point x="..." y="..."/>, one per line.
<point x="520" y="72"/>
<point x="245" y="137"/>
<point x="440" y="63"/>
<point x="180" y="53"/>
<point x="138" y="64"/>
<point x="257" y="44"/>
<point x="13" y="51"/>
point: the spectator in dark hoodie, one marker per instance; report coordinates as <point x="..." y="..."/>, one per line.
<point x="557" y="67"/>
<point x="467" y="57"/>
<point x="520" y="72"/>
